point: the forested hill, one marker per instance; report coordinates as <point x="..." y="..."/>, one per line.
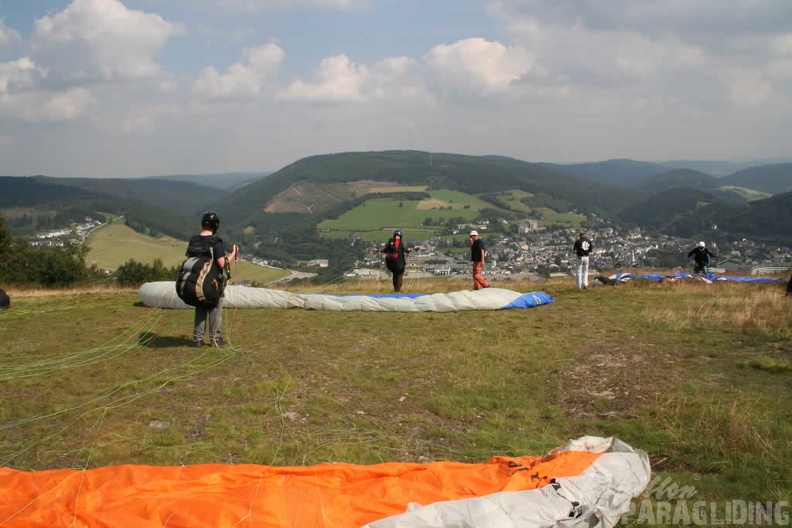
<point x="169" y="195"/>
<point x="680" y="178"/>
<point x="689" y="212"/>
<point x="154" y="206"/>
<point x="620" y="173"/>
<point x="470" y="174"/>
<point x="21" y="191"/>
<point x="771" y="179"/>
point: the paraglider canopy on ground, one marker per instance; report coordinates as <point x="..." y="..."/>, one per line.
<point x="163" y="295"/>
<point x="589" y="482"/>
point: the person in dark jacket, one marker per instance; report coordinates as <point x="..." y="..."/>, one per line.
<point x="701" y="258"/>
<point x="395" y="258"/>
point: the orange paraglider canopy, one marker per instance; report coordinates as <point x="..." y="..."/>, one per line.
<point x="251" y="495"/>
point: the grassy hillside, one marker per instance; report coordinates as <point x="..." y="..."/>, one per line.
<point x="387" y="214"/>
<point x="697" y="375"/>
<point x="112" y="245"/>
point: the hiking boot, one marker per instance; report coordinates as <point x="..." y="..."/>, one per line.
<point x="197" y="344"/>
<point x="218" y="342"/>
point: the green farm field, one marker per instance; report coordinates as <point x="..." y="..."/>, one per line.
<point x="112" y="245"/>
<point x="374" y="218"/>
<point x="387" y="213"/>
<point x="697" y="375"/>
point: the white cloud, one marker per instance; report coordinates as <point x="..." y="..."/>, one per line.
<point x="694" y="55"/>
<point x="100" y="40"/>
<point x="8" y="37"/>
<point x="47" y="107"/>
<point x="270" y="5"/>
<point x="476" y="66"/>
<point x="338" y="79"/>
<point x="242" y="79"/>
<point x="750" y="88"/>
<point x="17" y="75"/>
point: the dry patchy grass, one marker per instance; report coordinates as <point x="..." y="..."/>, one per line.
<point x="94" y="379"/>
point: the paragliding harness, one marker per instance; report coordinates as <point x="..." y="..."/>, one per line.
<point x="394" y="259"/>
<point x="199" y="281"/>
<point x="701" y="266"/>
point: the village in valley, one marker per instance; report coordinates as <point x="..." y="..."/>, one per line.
<point x="535" y="253"/>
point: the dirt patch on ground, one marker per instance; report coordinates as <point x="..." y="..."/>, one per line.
<point x="432" y="203"/>
<point x="615" y="382"/>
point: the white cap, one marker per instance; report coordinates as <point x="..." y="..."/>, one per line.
<point x="474" y="233"/>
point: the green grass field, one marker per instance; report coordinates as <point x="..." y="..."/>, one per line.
<point x="115" y="244"/>
<point x="374" y="220"/>
<point x="387" y="213"/>
<point x="697" y="375"/>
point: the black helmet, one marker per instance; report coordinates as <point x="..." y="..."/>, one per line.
<point x="210" y="220"/>
<point x="397" y="233"/>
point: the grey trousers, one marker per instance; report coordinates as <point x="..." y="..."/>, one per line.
<point x="215" y="316"/>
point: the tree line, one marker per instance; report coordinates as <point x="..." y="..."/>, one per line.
<point x="55" y="266"/>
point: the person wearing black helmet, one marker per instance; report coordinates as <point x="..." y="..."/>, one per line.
<point x="210" y="223"/>
<point x="395" y="258"/>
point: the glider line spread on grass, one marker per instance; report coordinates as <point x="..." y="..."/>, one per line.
<point x="589" y="482"/>
<point x="163" y="294"/>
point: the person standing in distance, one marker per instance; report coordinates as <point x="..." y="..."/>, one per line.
<point x="701" y="258"/>
<point x="477" y="255"/>
<point x="582" y="248"/>
<point x="395" y="259"/>
<point x="210" y="223"/>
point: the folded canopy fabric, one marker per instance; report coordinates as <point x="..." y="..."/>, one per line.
<point x="588" y="482"/>
<point x="704" y="277"/>
<point x="163" y="294"/>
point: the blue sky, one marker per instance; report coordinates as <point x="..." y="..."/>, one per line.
<point x="118" y="88"/>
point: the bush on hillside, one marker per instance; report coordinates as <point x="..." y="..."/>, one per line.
<point x="133" y="273"/>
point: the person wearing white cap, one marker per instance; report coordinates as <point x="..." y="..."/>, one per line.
<point x="582" y="248"/>
<point x="477" y="255"/>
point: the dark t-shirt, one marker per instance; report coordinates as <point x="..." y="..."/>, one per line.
<point x="582" y="247"/>
<point x="218" y="248"/>
<point x="476" y="250"/>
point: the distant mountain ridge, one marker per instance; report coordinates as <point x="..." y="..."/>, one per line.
<point x="470" y="174"/>
<point x="630" y="174"/>
<point x="644" y="194"/>
<point x="225" y="181"/>
<point x="620" y="173"/>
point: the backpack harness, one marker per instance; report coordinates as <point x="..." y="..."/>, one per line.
<point x="199" y="281"/>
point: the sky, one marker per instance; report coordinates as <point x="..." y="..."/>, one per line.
<point x="121" y="88"/>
